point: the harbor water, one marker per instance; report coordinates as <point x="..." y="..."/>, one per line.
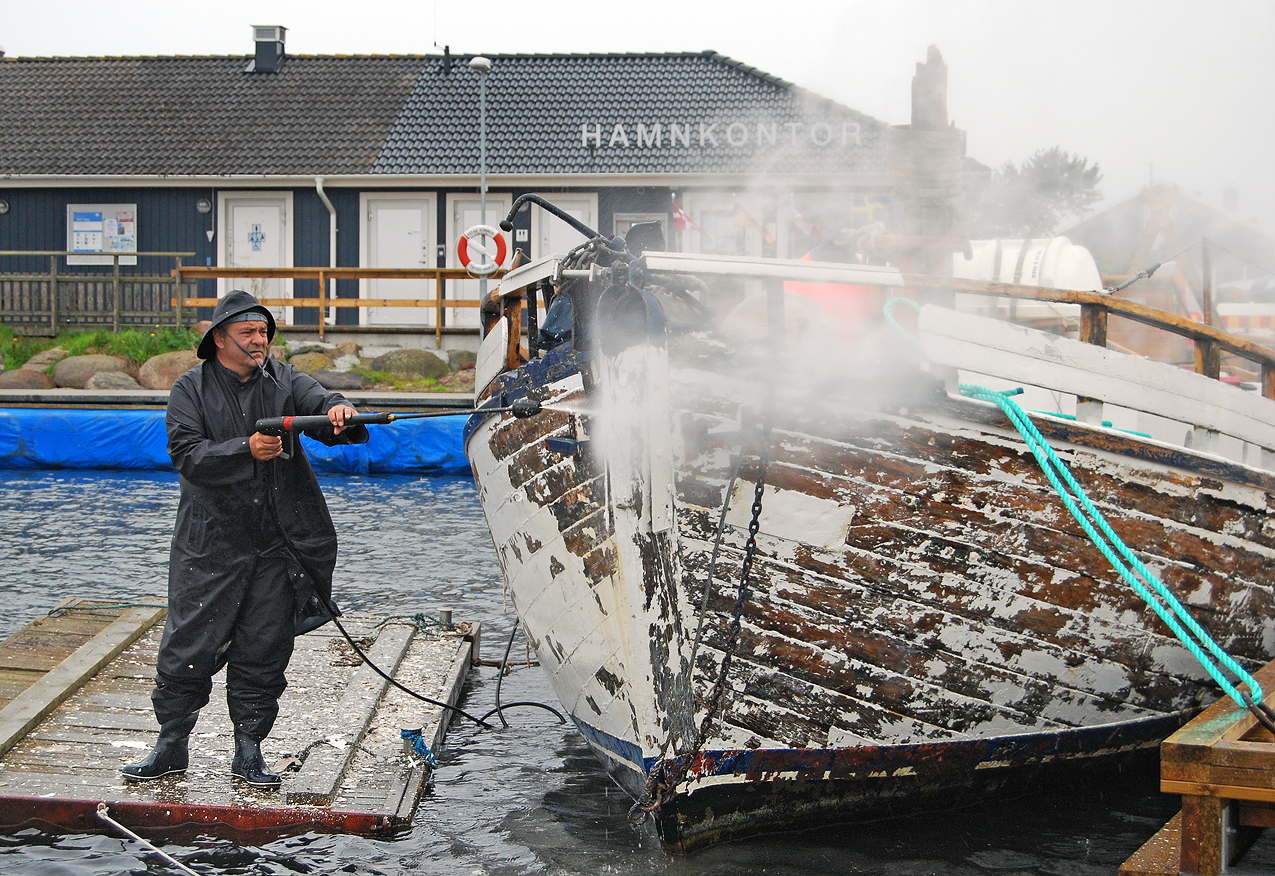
<point x="530" y="799"/>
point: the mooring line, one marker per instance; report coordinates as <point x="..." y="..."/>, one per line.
<point x="104" y="813"/>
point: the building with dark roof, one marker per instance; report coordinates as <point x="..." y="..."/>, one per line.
<point x="237" y="159"/>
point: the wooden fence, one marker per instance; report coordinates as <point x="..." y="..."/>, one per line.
<point x="323" y="301"/>
<point x="28" y="304"/>
<point x="46" y="303"/>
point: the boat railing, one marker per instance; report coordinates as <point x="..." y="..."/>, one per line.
<point x="1097" y="377"/>
<point x="1096" y="307"/>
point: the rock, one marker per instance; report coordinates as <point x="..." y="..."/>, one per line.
<point x="74" y="371"/>
<point x="301" y="347"/>
<point x="345" y="363"/>
<point x="162" y="371"/>
<point x="111" y="380"/>
<point x="277" y="353"/>
<point x="348" y="348"/>
<point x="460" y="360"/>
<point x="42" y="360"/>
<point x="310" y="362"/>
<point x="341" y="379"/>
<point x="411" y="364"/>
<point x="25" y="378"/>
<point x="374" y="352"/>
<point x="203" y="326"/>
<point x="459" y="381"/>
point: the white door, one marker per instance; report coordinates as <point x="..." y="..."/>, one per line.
<point x="550" y="235"/>
<point x="255" y="234"/>
<point x="463" y="211"/>
<point x="399" y="233"/>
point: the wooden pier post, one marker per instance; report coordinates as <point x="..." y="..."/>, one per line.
<point x="1223" y="765"/>
<point x="53" y="295"/>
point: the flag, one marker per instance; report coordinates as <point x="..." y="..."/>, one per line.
<point x="744" y="219"/>
<point x="681" y="220"/>
<point x="805" y="226"/>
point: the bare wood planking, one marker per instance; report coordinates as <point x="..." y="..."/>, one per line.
<point x="1019" y="489"/>
<point x="976" y="518"/>
<point x="856" y="584"/>
<point x="1051" y="573"/>
<point x="29" y="707"/>
<point x="917" y="641"/>
<point x="993" y="460"/>
<point x="326" y="765"/>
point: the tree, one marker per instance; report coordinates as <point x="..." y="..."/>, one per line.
<point x="1034" y="199"/>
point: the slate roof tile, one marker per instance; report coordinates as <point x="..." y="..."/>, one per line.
<point x="405" y="115"/>
<point x="198" y="115"/>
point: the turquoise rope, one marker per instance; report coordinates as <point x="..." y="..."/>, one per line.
<point x="1118" y="554"/>
<point x="887" y="310"/>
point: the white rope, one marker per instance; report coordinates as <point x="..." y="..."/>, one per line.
<point x="104" y="814"/>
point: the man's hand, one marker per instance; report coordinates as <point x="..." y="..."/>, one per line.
<point x="265" y="447"/>
<point x="338" y="416"/>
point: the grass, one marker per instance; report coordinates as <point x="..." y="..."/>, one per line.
<point x="136" y="345"/>
<point x="385" y="380"/>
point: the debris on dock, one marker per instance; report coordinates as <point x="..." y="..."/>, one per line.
<point x="75" y="688"/>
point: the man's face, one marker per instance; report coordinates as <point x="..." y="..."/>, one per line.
<point x="249" y="335"/>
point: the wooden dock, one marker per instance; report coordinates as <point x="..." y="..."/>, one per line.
<point x="75" y="690"/>
<point x="1223" y="765"/>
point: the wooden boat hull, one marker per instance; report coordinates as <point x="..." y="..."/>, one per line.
<point x="924" y="623"/>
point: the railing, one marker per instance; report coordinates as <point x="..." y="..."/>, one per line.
<point x="1095" y="307"/>
<point x="438" y="275"/>
<point x="44" y="302"/>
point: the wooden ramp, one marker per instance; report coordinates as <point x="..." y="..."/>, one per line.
<point x="1223" y="765"/>
<point x="76" y="685"/>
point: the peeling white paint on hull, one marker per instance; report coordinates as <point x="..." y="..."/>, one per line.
<point x="923" y="618"/>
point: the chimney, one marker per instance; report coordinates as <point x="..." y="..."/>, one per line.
<point x="447" y="60"/>
<point x="269" y="57"/>
<point x="929" y="93"/>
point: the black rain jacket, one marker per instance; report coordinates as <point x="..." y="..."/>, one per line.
<point x="227" y="496"/>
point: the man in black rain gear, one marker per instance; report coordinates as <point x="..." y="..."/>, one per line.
<point x="253" y="541"/>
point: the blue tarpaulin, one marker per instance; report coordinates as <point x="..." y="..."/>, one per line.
<point x="39" y="438"/>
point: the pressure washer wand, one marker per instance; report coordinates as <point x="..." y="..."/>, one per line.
<point x="521" y="408"/>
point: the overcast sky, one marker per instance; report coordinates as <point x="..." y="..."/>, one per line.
<point x="1182" y="91"/>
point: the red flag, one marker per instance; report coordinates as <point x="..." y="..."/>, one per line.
<point x="744" y="219"/>
<point x="805" y="226"/>
<point x="681" y="220"/>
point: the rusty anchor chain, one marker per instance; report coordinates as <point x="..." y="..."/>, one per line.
<point x="668" y="773"/>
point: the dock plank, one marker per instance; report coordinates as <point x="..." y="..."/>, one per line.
<point x="322" y="771"/>
<point x="28" y="708"/>
<point x="69" y="761"/>
<point x="1159" y="856"/>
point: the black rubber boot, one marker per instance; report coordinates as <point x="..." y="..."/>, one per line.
<point x="170" y="755"/>
<point x="248" y="764"/>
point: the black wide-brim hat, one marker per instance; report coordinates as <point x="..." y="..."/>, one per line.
<point x="234" y="304"/>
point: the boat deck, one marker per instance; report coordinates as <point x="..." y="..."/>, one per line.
<point x="75" y="690"/>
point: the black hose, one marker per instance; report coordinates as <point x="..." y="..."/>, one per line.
<point x="507" y="224"/>
<point x="547" y="708"/>
<point x="334" y="613"/>
<point x="500" y="678"/>
<point x="499" y="711"/>
<point x="331" y="609"/>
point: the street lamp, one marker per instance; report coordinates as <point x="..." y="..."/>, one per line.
<point x="482" y="66"/>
